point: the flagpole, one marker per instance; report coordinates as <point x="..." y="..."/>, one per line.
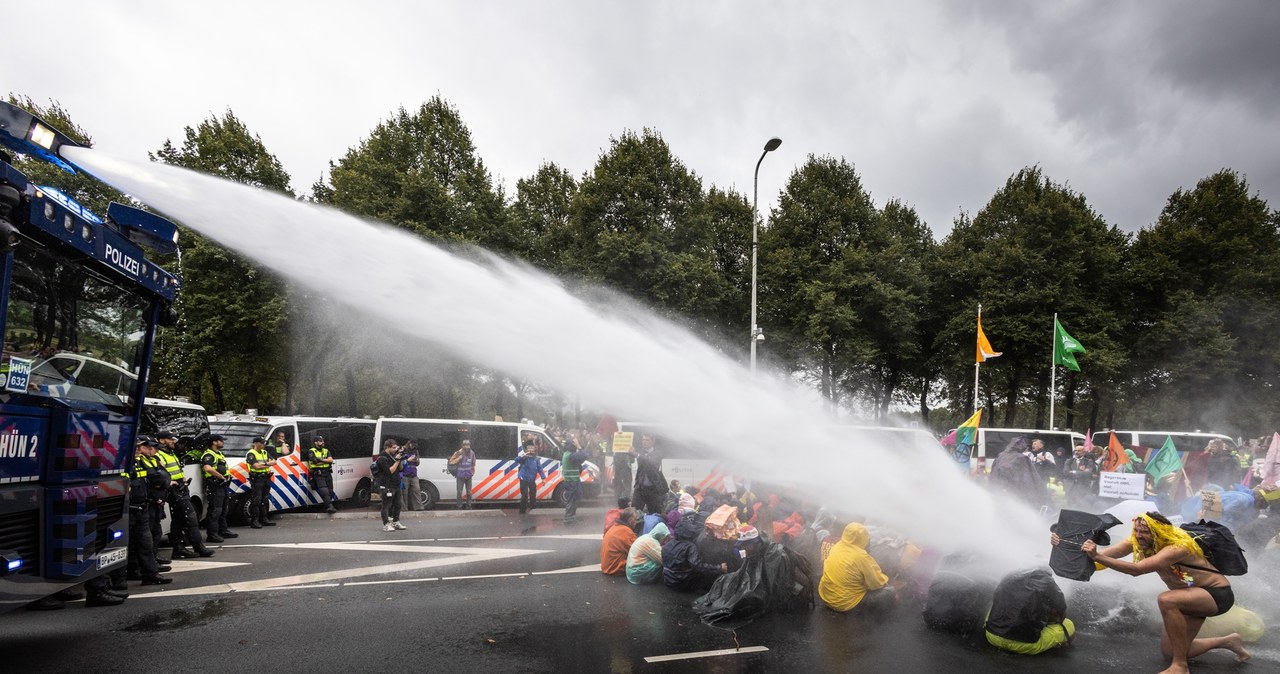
<point x="1053" y="370"/>
<point x="976" y="365"/>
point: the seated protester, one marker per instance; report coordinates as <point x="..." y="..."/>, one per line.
<point x="785" y="530"/>
<point x="686" y="506"/>
<point x="683" y="568"/>
<point x="850" y="575"/>
<point x="652" y="520"/>
<point x="644" y="560"/>
<point x="710" y="501"/>
<point x="767" y="513"/>
<point x="717" y="545"/>
<point x="617" y="544"/>
<point x="1028" y="614"/>
<point x="611" y="516"/>
<point x="746" y="503"/>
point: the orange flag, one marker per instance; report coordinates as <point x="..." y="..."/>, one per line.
<point x="985" y="349"/>
<point x="1116" y="456"/>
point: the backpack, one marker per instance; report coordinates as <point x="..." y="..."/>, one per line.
<point x="452" y="465"/>
<point x="1219" y="546"/>
<point x="800" y="596"/>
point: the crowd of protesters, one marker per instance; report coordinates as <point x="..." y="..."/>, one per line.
<point x="685" y="538"/>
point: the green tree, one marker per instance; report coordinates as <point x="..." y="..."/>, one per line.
<point x="1034" y="250"/>
<point x="420" y="171"/>
<point x="841" y="284"/>
<point x="1207" y="277"/>
<point x="540" y="214"/>
<point x="640" y="224"/>
<point x="232" y="337"/>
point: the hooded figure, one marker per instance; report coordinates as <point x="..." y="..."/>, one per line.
<point x="849" y="572"/>
<point x="683" y="568"/>
<point x="644" y="561"/>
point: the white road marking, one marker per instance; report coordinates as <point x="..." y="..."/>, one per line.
<point x="457" y="556"/>
<point x="576" y="569"/>
<point x="181" y="565"/>
<point x="388" y="582"/>
<point x="572" y="537"/>
<point x="705" y="654"/>
<point x="488" y="575"/>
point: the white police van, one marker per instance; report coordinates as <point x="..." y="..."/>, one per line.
<point x="495" y="444"/>
<point x="348" y="440"/>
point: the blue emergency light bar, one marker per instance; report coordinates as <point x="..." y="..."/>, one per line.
<point x="11" y="562"/>
<point x="114" y="241"/>
<point x="24" y="133"/>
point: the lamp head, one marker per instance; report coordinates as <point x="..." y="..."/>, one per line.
<point x="772" y="145"/>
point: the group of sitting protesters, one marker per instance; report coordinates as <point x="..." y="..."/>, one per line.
<point x="705" y="535"/>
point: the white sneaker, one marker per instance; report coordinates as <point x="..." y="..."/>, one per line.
<point x="398" y="525"/>
<point x="388" y="527"/>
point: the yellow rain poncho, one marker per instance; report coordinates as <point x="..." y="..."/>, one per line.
<point x="849" y="572"/>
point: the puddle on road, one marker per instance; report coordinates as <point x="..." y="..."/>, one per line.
<point x="183" y="618"/>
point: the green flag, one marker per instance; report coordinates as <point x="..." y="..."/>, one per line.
<point x="1165" y="461"/>
<point x="1064" y="346"/>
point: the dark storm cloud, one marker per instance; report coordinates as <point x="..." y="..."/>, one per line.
<point x="1116" y="64"/>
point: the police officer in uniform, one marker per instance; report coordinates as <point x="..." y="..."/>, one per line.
<point x="320" y="464"/>
<point x="259" y="462"/>
<point x="148" y="483"/>
<point x="213" y="464"/>
<point x="184" y="523"/>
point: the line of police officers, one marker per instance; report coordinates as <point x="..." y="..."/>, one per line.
<point x="156" y="478"/>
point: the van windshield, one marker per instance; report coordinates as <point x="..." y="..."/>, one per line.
<point x="238" y="435"/>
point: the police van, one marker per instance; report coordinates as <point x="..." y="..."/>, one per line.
<point x="238" y="431"/>
<point x="348" y="440"/>
<point x="992" y="441"/>
<point x="495" y="444"/>
<point x="1144" y="443"/>
<point x="190" y="424"/>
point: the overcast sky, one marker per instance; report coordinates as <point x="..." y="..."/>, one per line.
<point x="935" y="104"/>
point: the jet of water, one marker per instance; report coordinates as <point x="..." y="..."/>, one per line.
<point x="639" y="366"/>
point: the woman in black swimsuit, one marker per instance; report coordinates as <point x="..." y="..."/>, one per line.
<point x="1196" y="589"/>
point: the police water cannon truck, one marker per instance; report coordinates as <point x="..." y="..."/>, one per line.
<point x="79" y="303"/>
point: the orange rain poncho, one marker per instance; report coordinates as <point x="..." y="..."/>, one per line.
<point x="849" y="572"/>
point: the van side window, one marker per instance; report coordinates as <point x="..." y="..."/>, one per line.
<point x="435" y="441"/>
<point x="997" y="441"/>
<point x="344" y="439"/>
<point x="494" y="442"/>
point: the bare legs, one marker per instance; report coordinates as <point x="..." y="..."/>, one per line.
<point x="1183" y="613"/>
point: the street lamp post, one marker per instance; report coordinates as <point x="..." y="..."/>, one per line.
<point x="756" y="334"/>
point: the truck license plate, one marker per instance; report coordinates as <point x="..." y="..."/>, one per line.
<point x="112" y="556"/>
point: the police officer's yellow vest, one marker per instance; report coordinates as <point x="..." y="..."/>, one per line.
<point x="257" y="456"/>
<point x="219" y="460"/>
<point x="318" y="453"/>
<point x="171" y="465"/>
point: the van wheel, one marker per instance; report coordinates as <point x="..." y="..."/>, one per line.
<point x="361" y="496"/>
<point x="559" y="496"/>
<point x="430" y="497"/>
<point x="240" y="511"/>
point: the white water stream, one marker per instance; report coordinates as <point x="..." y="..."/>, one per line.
<point x="636" y="366"/>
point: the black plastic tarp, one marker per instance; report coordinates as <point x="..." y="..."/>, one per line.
<point x="1024" y="602"/>
<point x="778" y="579"/>
<point x="1074" y="528"/>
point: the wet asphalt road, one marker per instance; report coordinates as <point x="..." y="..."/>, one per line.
<point x="319" y="594"/>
